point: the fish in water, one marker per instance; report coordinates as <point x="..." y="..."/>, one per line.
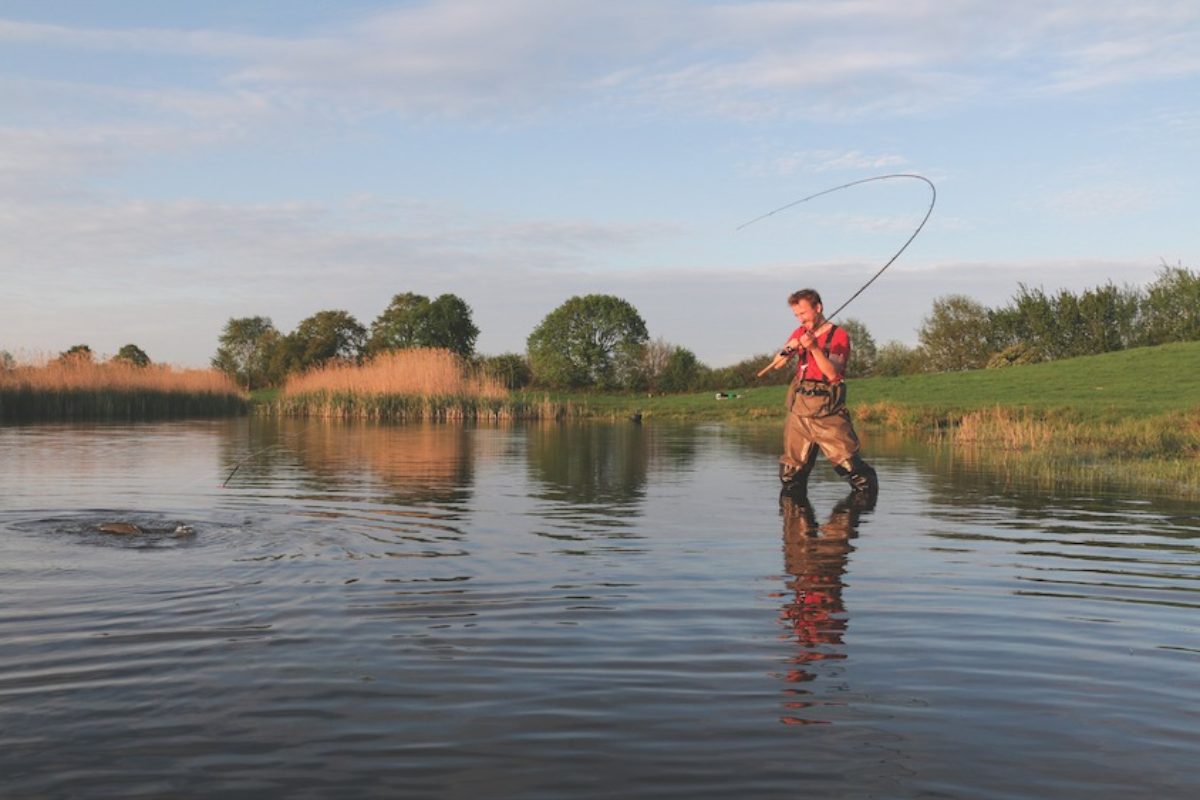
<point x="118" y="527"/>
<point x="128" y="528"/>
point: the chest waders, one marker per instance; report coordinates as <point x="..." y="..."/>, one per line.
<point x="818" y="409"/>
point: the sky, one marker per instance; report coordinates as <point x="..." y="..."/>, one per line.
<point x="165" y="167"/>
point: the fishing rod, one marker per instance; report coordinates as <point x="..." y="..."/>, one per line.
<point x="256" y="453"/>
<point x="890" y="261"/>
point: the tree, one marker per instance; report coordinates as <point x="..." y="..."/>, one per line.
<point x="323" y="337"/>
<point x="399" y="325"/>
<point x="745" y="373"/>
<point x="863" y="350"/>
<point x="245" y="347"/>
<point x="448" y="325"/>
<point x="683" y="372"/>
<point x="655" y="356"/>
<point x="896" y="358"/>
<point x="1030" y="319"/>
<point x="595" y="340"/>
<point x="133" y="355"/>
<point x="510" y="368"/>
<point x="1108" y="317"/>
<point x="77" y="353"/>
<point x="7" y="361"/>
<point x="955" y="334"/>
<point x="412" y="320"/>
<point x="666" y="367"/>
<point x="1170" y="310"/>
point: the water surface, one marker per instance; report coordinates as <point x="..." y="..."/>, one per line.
<point x="576" y="610"/>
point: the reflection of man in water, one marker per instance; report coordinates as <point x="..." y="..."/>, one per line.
<point x="815" y="557"/>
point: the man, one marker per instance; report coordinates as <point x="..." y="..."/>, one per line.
<point x="817" y="415"/>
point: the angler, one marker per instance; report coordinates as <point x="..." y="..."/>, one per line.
<point x="816" y="401"/>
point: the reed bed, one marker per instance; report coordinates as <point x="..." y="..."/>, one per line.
<point x="1152" y="454"/>
<point x="81" y="389"/>
<point x="416" y="384"/>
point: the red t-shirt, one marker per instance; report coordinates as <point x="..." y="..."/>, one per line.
<point x="808" y="369"/>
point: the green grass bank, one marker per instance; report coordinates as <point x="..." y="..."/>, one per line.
<point x="1129" y="418"/>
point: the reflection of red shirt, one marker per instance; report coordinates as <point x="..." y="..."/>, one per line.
<point x="839" y="346"/>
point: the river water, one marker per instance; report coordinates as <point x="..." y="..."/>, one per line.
<point x="562" y="610"/>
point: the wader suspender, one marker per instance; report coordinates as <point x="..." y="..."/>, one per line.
<point x="825" y="349"/>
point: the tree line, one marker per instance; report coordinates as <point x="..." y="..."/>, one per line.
<point x="1034" y="325"/>
<point x="601" y="342"/>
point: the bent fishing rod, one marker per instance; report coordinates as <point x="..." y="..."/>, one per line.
<point x="932" y="201"/>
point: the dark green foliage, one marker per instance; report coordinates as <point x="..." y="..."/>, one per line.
<point x="412" y="320"/>
<point x="863" y="350"/>
<point x="896" y="358"/>
<point x="954" y="335"/>
<point x="134" y="355"/>
<point x="1170" y="308"/>
<point x="1108" y="315"/>
<point x="246" y="349"/>
<point x="744" y="374"/>
<point x="592" y="341"/>
<point x="448" y="325"/>
<point x="80" y="352"/>
<point x="324" y="337"/>
<point x="510" y="368"/>
<point x="666" y="367"/>
<point x="683" y="372"/>
<point x="1100" y="320"/>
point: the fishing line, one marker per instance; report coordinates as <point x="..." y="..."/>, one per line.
<point x="256" y="453"/>
<point x="932" y="201"/>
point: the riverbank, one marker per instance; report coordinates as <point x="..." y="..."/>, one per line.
<point x="1130" y="418"/>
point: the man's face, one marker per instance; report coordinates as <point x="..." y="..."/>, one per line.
<point x="807" y="313"/>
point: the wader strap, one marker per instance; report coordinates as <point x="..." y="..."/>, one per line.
<point x="825" y="349"/>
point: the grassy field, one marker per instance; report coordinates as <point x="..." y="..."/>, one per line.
<point x="1140" y="382"/>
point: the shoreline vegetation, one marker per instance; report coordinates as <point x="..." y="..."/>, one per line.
<point x="1129" y="418"/>
<point x="409" y="385"/>
<point x="74" y="388"/>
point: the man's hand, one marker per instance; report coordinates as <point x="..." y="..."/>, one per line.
<point x="778" y="362"/>
<point x="808" y="339"/>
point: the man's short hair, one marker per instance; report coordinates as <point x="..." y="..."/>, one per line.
<point x="810" y="295"/>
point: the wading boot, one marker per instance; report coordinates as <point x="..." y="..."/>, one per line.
<point x="794" y="480"/>
<point x="860" y="475"/>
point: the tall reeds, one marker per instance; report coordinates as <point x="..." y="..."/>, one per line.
<point x="74" y="388"/>
<point x="421" y="383"/>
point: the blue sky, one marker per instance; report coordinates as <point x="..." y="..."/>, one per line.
<point x="167" y="166"/>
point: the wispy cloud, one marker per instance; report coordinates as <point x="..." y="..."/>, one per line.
<point x="817" y="161"/>
<point x="837" y="58"/>
<point x="1102" y="200"/>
